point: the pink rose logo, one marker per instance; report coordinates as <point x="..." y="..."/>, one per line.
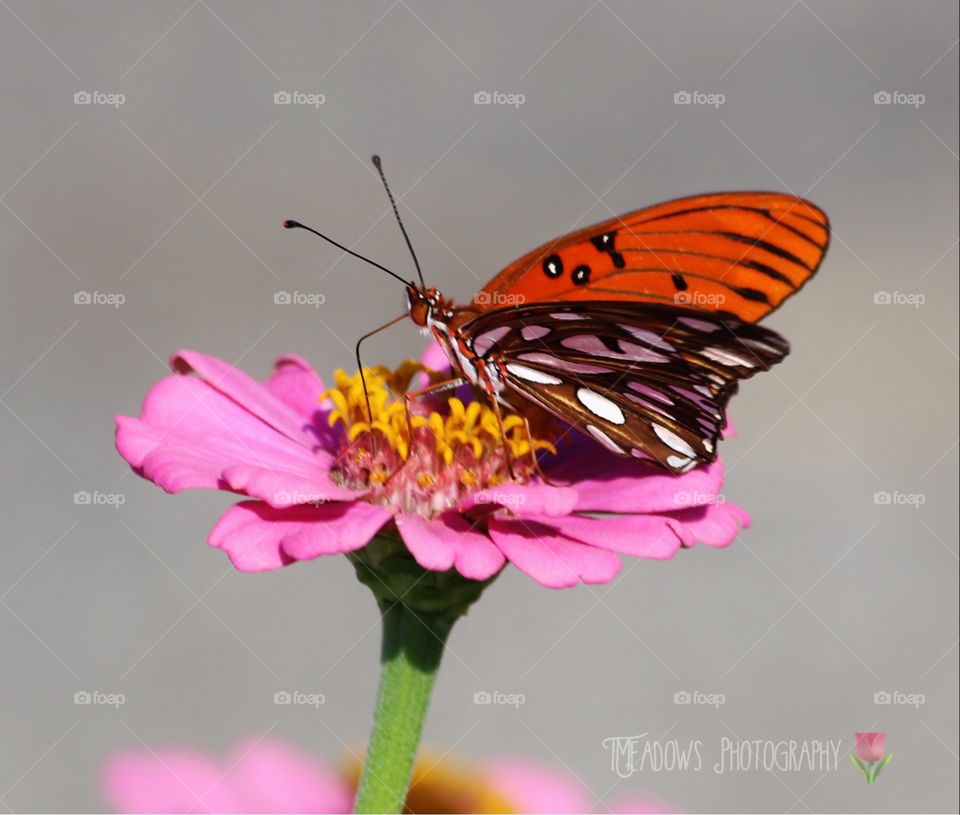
<point x="869" y="757"/>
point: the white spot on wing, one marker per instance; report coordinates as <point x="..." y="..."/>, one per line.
<point x="567" y="365"/>
<point x="648" y="336"/>
<point x="725" y="357"/>
<point x="532" y="375"/>
<point x="600" y="406"/>
<point x="679" y="463"/>
<point x="672" y="440"/>
<point x="604" y="439"/>
<point x="698" y="325"/>
<point x="487" y="340"/>
<point x="534" y="332"/>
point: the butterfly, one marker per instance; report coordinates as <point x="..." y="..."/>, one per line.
<point x="637" y="330"/>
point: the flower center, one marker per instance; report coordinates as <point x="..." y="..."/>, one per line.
<point x="424" y="462"/>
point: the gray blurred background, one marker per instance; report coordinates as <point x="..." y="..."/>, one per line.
<point x="174" y="199"/>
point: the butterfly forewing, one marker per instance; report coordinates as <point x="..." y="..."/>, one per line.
<point x="647" y="381"/>
<point x="742" y="253"/>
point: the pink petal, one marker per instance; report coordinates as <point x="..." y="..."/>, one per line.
<point x="449" y="541"/>
<point x="188" y="434"/>
<point x="435" y="359"/>
<point x="296" y="384"/>
<point x="608" y="483"/>
<point x="536" y="788"/>
<point x="258" y="537"/>
<point x="168" y="780"/>
<point x="283" y="488"/>
<point x="272" y="777"/>
<point x="540" y="552"/>
<point x="715" y="524"/>
<point x="242" y="389"/>
<point x="651" y="536"/>
<point x="524" y="499"/>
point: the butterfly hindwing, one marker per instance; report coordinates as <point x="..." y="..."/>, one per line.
<point x="741" y="253"/>
<point x="648" y="381"/>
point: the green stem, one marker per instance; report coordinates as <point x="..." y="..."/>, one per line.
<point x="410" y="657"/>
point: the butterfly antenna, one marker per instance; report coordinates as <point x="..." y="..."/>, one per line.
<point x="396" y="214"/>
<point x="297" y="225"/>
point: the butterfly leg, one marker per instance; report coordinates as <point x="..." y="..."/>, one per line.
<point x="503" y="436"/>
<point x="533" y="456"/>
<point x="439" y="387"/>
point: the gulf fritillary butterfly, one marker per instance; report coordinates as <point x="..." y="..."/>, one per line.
<point x="636" y="330"/>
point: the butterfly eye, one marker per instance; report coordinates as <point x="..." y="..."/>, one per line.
<point x="553" y="266"/>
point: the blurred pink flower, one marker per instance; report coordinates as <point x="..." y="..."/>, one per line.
<point x="274" y="443"/>
<point x="267" y="776"/>
<point x="870" y="746"/>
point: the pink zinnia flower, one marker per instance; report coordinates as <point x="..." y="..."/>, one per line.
<point x="321" y="487"/>
<point x="268" y="776"/>
<point x="870" y="746"/>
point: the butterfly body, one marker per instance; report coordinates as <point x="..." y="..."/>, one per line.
<point x="636" y="331"/>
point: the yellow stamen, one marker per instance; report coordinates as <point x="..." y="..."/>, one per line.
<point x="472" y="427"/>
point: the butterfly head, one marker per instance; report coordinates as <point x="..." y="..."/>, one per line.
<point x="423" y="303"/>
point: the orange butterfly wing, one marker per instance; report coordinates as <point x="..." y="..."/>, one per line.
<point x="742" y="253"/>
